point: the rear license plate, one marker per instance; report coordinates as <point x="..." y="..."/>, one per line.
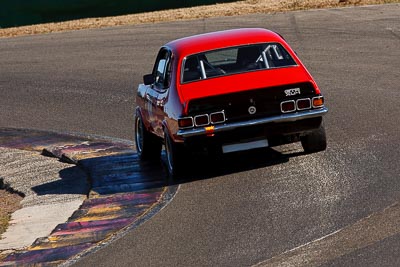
<point x="244" y="146"/>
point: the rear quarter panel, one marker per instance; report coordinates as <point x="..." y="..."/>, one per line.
<point x="141" y="105"/>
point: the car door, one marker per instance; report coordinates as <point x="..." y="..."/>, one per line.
<point x="158" y="98"/>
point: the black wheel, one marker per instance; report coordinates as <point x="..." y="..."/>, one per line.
<point x="174" y="153"/>
<point x="148" y="146"/>
<point x="314" y="141"/>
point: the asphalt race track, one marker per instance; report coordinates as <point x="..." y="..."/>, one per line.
<point x="273" y="206"/>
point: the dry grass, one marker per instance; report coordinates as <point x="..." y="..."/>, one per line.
<point x="217" y="10"/>
<point x="10" y="202"/>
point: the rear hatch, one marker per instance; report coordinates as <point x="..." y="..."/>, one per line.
<point x="235" y="94"/>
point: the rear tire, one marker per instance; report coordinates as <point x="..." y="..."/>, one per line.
<point x="314" y="141"/>
<point x="148" y="146"/>
<point x="174" y="153"/>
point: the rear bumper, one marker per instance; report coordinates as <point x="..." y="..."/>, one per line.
<point x="289" y="117"/>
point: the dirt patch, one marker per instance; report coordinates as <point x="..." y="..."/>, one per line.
<point x="10" y="202"/>
<point x="217" y="10"/>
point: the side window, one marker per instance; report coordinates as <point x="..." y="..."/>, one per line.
<point x="191" y="70"/>
<point x="162" y="70"/>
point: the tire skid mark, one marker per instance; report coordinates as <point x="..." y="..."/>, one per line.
<point x="367" y="231"/>
<point x="124" y="193"/>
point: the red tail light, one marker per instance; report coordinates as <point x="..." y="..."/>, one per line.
<point x="304" y="103"/>
<point x="201" y="120"/>
<point x="217" y="117"/>
<point x="186" y="122"/>
<point x="288" y="106"/>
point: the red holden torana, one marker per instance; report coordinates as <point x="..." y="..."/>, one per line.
<point x="224" y="92"/>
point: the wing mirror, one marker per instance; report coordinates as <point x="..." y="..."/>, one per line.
<point x="148" y="79"/>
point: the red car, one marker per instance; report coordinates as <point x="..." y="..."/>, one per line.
<point x="224" y="92"/>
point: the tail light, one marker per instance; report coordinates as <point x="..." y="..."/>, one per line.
<point x="201" y="120"/>
<point x="288" y="106"/>
<point x="318" y="101"/>
<point x="186" y="122"/>
<point x="304" y="103"/>
<point x="217" y="117"/>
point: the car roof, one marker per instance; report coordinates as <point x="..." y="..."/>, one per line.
<point x="221" y="39"/>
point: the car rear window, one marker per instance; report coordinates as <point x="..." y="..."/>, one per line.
<point x="235" y="60"/>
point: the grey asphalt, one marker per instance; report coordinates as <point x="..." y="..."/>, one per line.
<point x="250" y="207"/>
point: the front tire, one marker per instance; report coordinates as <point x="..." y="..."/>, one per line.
<point x="314" y="141"/>
<point x="148" y="146"/>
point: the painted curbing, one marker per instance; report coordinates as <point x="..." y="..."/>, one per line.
<point x="124" y="193"/>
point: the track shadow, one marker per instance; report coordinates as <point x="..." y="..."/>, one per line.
<point x="72" y="181"/>
<point x="202" y="167"/>
<point x="125" y="172"/>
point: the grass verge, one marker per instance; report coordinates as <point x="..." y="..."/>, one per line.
<point x="10" y="202"/>
<point x="217" y="10"/>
